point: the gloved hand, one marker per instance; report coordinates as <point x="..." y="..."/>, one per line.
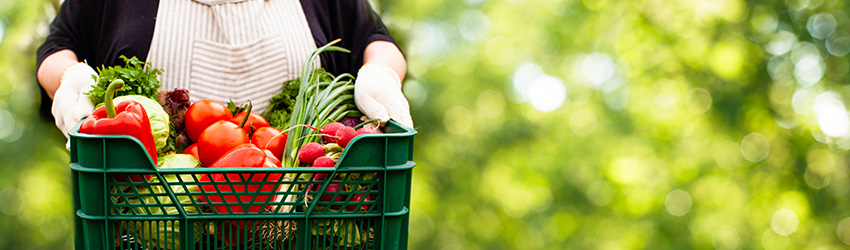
<point x="70" y="103"/>
<point x="377" y="93"/>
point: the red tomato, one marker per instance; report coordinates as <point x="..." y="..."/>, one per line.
<point x="202" y="114"/>
<point x="219" y="138"/>
<point x="270" y="138"/>
<point x="255" y="120"/>
<point x="192" y="150"/>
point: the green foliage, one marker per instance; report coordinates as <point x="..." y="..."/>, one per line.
<point x="684" y="125"/>
<point x="280" y="106"/>
<point x="139" y="78"/>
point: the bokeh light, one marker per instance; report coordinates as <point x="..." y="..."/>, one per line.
<point x="755" y="147"/>
<point x="7" y="125"/>
<point x="821" y="25"/>
<point x="831" y="115"/>
<point x="678" y="203"/>
<point x="838" y="43"/>
<point x="772" y="241"/>
<point x="474" y="25"/>
<point x="698" y="101"/>
<point x="596" y="69"/>
<point x="547" y="93"/>
<point x="784" y="222"/>
<point x="843" y="230"/>
<point x="781" y="43"/>
<point x="2" y="28"/>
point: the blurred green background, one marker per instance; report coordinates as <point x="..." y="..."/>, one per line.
<point x="552" y="124"/>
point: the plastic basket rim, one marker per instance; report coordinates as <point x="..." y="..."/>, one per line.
<point x="408" y="132"/>
<point x="75" y="132"/>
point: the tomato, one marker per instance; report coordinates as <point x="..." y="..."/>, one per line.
<point x="270" y="138"/>
<point x="255" y="120"/>
<point x="203" y="113"/>
<point x="217" y="139"/>
<point x="192" y="150"/>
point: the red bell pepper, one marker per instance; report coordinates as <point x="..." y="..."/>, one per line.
<point x="225" y="196"/>
<point x="244" y="155"/>
<point x="126" y="118"/>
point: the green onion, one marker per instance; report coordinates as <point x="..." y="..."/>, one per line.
<point x="322" y="98"/>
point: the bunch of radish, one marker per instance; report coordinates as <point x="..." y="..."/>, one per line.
<point x="335" y="137"/>
<point x="325" y="154"/>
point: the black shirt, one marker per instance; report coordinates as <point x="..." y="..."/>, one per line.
<point x="99" y="31"/>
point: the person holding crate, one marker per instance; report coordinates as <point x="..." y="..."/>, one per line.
<point x="220" y="50"/>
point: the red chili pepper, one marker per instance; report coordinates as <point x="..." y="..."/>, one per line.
<point x="126" y="118"/>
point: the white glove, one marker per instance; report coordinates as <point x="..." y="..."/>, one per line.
<point x="70" y="103"/>
<point x="377" y="93"/>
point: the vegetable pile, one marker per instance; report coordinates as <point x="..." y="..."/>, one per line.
<point x="310" y="123"/>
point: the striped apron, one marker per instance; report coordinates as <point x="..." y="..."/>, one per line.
<point x="230" y="49"/>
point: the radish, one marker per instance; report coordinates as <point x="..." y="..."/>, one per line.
<point x="332" y="188"/>
<point x="323" y="162"/>
<point x="365" y="130"/>
<point x="357" y="198"/>
<point x="344" y="135"/>
<point x="329" y="131"/>
<point x="310" y="151"/>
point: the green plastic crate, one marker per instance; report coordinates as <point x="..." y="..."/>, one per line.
<point x="111" y="212"/>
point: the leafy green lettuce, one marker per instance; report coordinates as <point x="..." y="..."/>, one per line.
<point x="139" y="79"/>
<point x="166" y="234"/>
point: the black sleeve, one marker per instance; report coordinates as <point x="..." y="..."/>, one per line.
<point x="353" y="21"/>
<point x="74" y="26"/>
<point x="99" y="32"/>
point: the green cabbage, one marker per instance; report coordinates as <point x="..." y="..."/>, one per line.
<point x="157" y="116"/>
<point x="178" y="161"/>
<point x="166" y="234"/>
